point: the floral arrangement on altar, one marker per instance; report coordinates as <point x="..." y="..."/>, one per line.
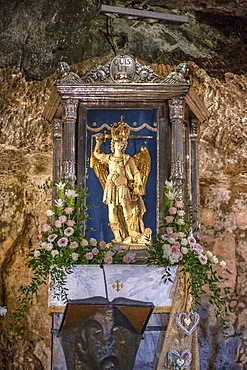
<point x="177" y="245"/>
<point x="65" y="243"/>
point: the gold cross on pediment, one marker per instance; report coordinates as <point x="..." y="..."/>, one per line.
<point x="117" y="285"/>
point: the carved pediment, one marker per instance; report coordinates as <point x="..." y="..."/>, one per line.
<point x="123" y="69"/>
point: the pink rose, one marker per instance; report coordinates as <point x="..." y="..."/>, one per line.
<point x="175" y="249"/>
<point x="169" y="230"/>
<point x="95" y="251"/>
<point x="177" y="244"/>
<point x="73" y="245"/>
<point x="58" y="223"/>
<point x="45" y="228"/>
<point x="63" y="219"/>
<point x="68" y="210"/>
<point x="70" y="222"/>
<point x="169" y="219"/>
<point x="172" y="210"/>
<point x="89" y="256"/>
<point x="93" y="242"/>
<point x="126" y="259"/>
<point x="102" y="244"/>
<point x="179" y="204"/>
<point x="108" y="260"/>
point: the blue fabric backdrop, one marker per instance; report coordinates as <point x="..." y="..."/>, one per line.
<point x="96" y="122"/>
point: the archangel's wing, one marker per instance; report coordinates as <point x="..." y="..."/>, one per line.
<point x="100" y="169"/>
<point x="143" y="163"/>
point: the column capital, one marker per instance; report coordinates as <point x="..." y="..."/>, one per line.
<point x="176" y="106"/>
<point x="70" y="109"/>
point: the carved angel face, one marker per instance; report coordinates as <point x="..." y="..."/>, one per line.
<point x="118" y="146"/>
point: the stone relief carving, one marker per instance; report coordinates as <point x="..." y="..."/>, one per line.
<point x="180" y="76"/>
<point x="122" y="69"/>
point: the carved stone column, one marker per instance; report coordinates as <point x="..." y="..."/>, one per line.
<point x="70" y="116"/>
<point x="176" y="106"/>
<point x="57" y="154"/>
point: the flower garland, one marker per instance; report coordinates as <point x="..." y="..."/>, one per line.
<point x="176" y="245"/>
<point x="65" y="243"/>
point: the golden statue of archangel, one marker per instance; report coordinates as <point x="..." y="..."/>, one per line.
<point x="124" y="180"/>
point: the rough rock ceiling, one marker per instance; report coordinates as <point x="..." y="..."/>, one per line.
<point x="36" y="35"/>
<point x="234" y="8"/>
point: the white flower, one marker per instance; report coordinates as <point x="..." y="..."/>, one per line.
<point x="69" y="231"/>
<point x="63" y="242"/>
<point x="169" y="184"/>
<point x="52" y="237"/>
<point x="166" y="247"/>
<point x="49" y="247"/>
<point x="117" y="247"/>
<point x="59" y="202"/>
<point x="167" y="253"/>
<point x="191" y="240"/>
<point x="181" y="234"/>
<point x="3" y="311"/>
<point x="109" y="253"/>
<point x="222" y="263"/>
<point x="171" y="240"/>
<point x="60" y="185"/>
<point x="54" y="253"/>
<point x="180" y="221"/>
<point x="184" y="241"/>
<point x="184" y="250"/>
<point x="175" y="257"/>
<point x="170" y="195"/>
<point x="36" y="253"/>
<point x="84" y="243"/>
<point x="203" y="259"/>
<point x="181" y="212"/>
<point x="93" y="242"/>
<point x="71" y="193"/>
<point x="74" y="256"/>
<point x="49" y="213"/>
<point x="214" y="260"/>
<point x="209" y="255"/>
<point x="43" y="245"/>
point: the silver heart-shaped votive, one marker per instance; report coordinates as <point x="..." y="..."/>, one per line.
<point x="187" y="322"/>
<point x="179" y="360"/>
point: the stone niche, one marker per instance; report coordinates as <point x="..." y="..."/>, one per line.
<point x="162" y="114"/>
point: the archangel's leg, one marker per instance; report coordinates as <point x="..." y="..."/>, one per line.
<point x="114" y="222"/>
